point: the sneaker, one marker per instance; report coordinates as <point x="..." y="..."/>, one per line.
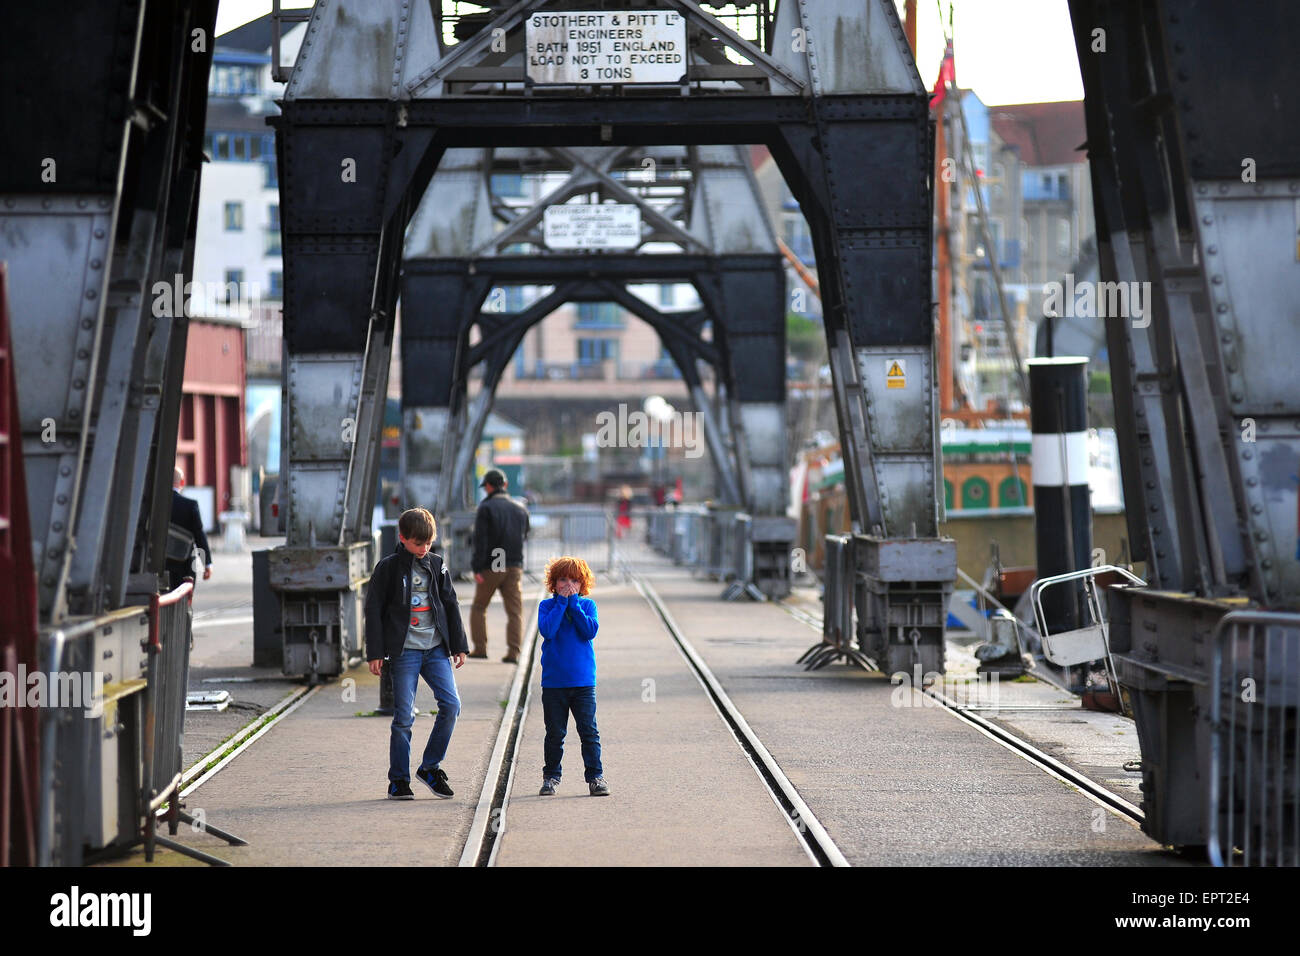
<point x="400" y="790"/>
<point x="477" y="656"/>
<point x="436" y="781"/>
<point x="598" y="787"/>
<point x="548" y="787"/>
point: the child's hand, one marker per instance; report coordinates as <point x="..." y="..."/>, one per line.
<point x="376" y="667"/>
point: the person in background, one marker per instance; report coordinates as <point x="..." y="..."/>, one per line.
<point x="185" y="520"/>
<point x="624" y="511"/>
<point x="500" y="527"/>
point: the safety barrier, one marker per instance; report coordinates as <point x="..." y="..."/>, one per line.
<point x="717" y="543"/>
<point x="1254" y="804"/>
<point x="587" y="531"/>
<point x="94" y="677"/>
<point x="840" y="578"/>
<point x="171" y="618"/>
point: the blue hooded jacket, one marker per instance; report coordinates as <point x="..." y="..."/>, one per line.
<point x="568" y="626"/>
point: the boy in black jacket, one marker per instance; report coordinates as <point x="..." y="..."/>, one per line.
<point x="413" y="619"/>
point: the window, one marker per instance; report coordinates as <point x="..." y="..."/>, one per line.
<point x="596" y="350"/>
<point x="1063" y="185"/>
<point x="222" y="150"/>
<point x="273" y="230"/>
<point x="1062" y="237"/>
<point x="234" y="279"/>
<point x="277" y="285"/>
<point x="1047" y="182"/>
<point x="667" y="296"/>
<point x="601" y="315"/>
<point x="234" y="217"/>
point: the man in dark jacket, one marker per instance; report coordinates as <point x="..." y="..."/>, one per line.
<point x="500" y="527"/>
<point x="413" y="619"/>
<point x="185" y="515"/>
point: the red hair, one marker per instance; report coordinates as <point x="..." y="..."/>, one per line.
<point x="568" y="567"/>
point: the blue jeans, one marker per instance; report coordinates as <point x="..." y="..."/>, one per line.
<point x="436" y="668"/>
<point x="557" y="702"/>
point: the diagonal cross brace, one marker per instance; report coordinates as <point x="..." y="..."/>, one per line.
<point x="701" y="18"/>
<point x="475" y="44"/>
<point x="620" y="191"/>
<point x="577" y="181"/>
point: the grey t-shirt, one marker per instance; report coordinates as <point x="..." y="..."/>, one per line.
<point x="421" y="634"/>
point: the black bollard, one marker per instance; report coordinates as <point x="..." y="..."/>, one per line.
<point x="1062" y="505"/>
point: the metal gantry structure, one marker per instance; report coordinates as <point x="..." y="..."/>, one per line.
<point x="99" y="183"/>
<point x="380" y="99"/>
<point x="1195" y="160"/>
<point x="718" y="240"/>
<point x="1195" y="193"/>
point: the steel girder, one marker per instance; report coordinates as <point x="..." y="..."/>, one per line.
<point x="437" y="429"/>
<point x="1196" y="171"/>
<point x="98" y="202"/>
<point x="712" y="189"/>
<point x="835" y="95"/>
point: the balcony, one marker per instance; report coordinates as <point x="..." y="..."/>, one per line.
<point x="605" y="370"/>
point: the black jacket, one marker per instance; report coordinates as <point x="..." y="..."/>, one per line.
<point x="388" y="605"/>
<point x="185" y="513"/>
<point x="501" y="522"/>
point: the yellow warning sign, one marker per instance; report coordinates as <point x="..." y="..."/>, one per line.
<point x="896" y="373"/>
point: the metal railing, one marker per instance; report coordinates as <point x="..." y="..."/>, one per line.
<point x="587" y="531"/>
<point x="1254" y="804"/>
<point x="717" y="543"/>
<point x="1090" y="642"/>
<point x="171" y="618"/>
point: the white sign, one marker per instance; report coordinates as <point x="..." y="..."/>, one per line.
<point x="602" y="46"/>
<point x="589" y="226"/>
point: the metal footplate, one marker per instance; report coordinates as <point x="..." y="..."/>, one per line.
<point x="321" y="593"/>
<point x="903" y="604"/>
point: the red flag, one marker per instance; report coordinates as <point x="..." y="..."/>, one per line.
<point x="947" y="77"/>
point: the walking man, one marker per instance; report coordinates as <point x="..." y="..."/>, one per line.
<point x="184" y="535"/>
<point x="499" y="531"/>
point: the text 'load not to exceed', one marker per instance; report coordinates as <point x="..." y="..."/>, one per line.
<point x="592" y="46"/>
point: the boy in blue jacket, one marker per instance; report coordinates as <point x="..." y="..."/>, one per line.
<point x="567" y="623"/>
